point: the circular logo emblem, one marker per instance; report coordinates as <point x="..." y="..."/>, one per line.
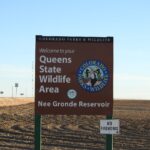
<point x="92" y="75"/>
<point x="72" y="93"/>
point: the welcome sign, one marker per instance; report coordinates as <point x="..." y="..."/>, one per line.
<point x="74" y="75"/>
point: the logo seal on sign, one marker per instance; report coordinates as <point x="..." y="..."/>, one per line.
<point x="92" y="75"/>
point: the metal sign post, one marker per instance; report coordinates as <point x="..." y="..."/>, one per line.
<point x="109" y="137"/>
<point x="37" y="132"/>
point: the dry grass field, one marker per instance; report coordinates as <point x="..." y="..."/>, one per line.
<point x="73" y="132"/>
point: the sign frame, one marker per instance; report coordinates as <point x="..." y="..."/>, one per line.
<point x="88" y="101"/>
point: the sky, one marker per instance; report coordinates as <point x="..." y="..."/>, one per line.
<point x="127" y="21"/>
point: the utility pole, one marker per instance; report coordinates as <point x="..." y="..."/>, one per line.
<point x="16" y="86"/>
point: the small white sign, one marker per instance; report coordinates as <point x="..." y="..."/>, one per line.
<point x="109" y="126"/>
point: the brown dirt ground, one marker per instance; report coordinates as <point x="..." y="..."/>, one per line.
<point x="7" y="101"/>
<point x="74" y="132"/>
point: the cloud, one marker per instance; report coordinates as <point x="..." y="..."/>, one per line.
<point x="131" y="86"/>
<point x="7" y="71"/>
<point x="131" y="77"/>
